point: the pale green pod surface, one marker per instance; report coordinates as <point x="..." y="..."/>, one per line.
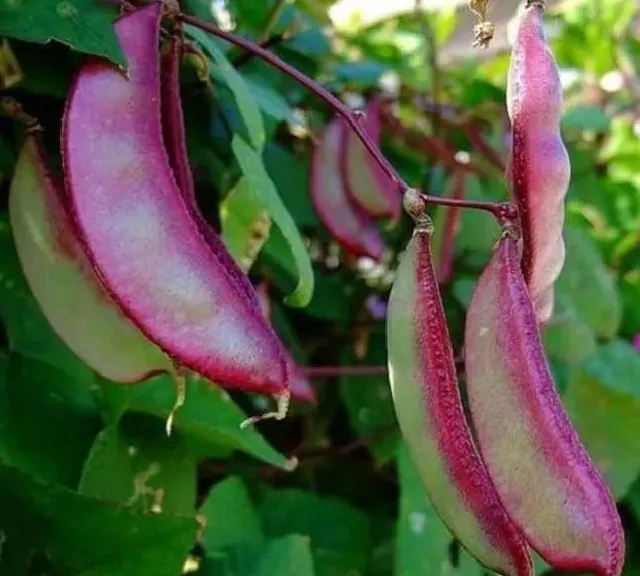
<point x="63" y="282"/>
<point x="432" y="420"/>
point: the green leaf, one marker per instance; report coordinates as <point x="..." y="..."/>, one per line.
<point x="338" y="532"/>
<point x="567" y="337"/>
<point x="368" y="401"/>
<point x="603" y="402"/>
<point x="81" y="535"/>
<point x="84" y="25"/>
<point x="47" y="420"/>
<point x="231" y="517"/>
<point x="590" y="284"/>
<point x="137" y="464"/>
<point x="287" y="556"/>
<point x="586" y="117"/>
<point x="257" y="177"/>
<point x="247" y="104"/>
<point x="245" y="224"/>
<point x="478" y="232"/>
<point x="422" y="540"/>
<point x="270" y="101"/>
<point x="360" y="72"/>
<point x="208" y="415"/>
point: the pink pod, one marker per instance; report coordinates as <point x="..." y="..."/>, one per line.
<point x="543" y="474"/>
<point x="368" y="186"/>
<point x="62" y="280"/>
<point x="175" y="142"/>
<point x="539" y="169"/>
<point x="138" y="231"/>
<point x="350" y="226"/>
<point x="428" y="406"/>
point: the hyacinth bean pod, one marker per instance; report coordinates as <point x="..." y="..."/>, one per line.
<point x="543" y="474"/>
<point x="429" y="410"/>
<point x="139" y="233"/>
<point x="62" y="280"/>
<point x="539" y="169"/>
<point x="351" y="227"/>
<point x="176" y="145"/>
<point x="368" y="186"/>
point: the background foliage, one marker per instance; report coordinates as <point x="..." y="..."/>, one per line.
<point x="89" y="483"/>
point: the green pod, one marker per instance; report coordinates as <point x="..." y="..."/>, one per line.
<point x="432" y="420"/>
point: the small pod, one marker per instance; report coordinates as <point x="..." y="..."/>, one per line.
<point x="432" y="420"/>
<point x="62" y="280"/>
<point x="366" y="183"/>
<point x="543" y="474"/>
<point x="349" y="225"/>
<point x="138" y="231"/>
<point x="176" y="145"/>
<point x="539" y="169"/>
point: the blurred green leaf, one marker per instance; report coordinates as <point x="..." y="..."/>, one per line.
<point x="338" y="533"/>
<point x="246" y="102"/>
<point x="84" y="25"/>
<point x="138" y="465"/>
<point x="586" y="117"/>
<point x="258" y="179"/>
<point x="603" y="402"/>
<point x="61" y="523"/>
<point x="231" y="517"/>
<point x="590" y="285"/>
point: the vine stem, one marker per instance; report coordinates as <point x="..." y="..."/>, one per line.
<point x="351" y="118"/>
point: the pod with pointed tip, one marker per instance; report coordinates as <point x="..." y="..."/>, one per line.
<point x="366" y="183"/>
<point x="432" y="420"/>
<point x="175" y="141"/>
<point x="539" y="169"/>
<point x="62" y="280"/>
<point x="347" y="223"/>
<point x="543" y="474"/>
<point x="138" y="231"/>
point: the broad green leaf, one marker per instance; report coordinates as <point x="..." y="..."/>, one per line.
<point x="359" y="72"/>
<point x="270" y="101"/>
<point x="246" y="102"/>
<point x="586" y="117"/>
<point x="209" y="415"/>
<point x="81" y="535"/>
<point x="84" y="25"/>
<point x="590" y="284"/>
<point x="422" y="540"/>
<point x="368" y="401"/>
<point x="478" y="231"/>
<point x="245" y="224"/>
<point x="231" y="517"/>
<point x="603" y="402"/>
<point x="258" y="179"/>
<point x="567" y="337"/>
<point x="28" y="330"/>
<point x="287" y="556"/>
<point x="338" y="532"/>
<point x="136" y="464"/>
<point x="47" y="420"/>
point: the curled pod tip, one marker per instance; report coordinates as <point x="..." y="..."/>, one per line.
<point x="350" y="226"/>
<point x="538" y="168"/>
<point x="431" y="417"/>
<point x="63" y="281"/>
<point x="543" y="474"/>
<point x="140" y="234"/>
<point x="367" y="185"/>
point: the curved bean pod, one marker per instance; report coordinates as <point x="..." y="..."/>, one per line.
<point x="366" y="183"/>
<point x="62" y="280"/>
<point x="539" y="169"/>
<point x="139" y="233"/>
<point x="347" y="223"/>
<point x="176" y="144"/>
<point x="431" y="417"/>
<point x="543" y="474"/>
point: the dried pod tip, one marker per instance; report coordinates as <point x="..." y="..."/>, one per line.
<point x="508" y="216"/>
<point x="537" y="3"/>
